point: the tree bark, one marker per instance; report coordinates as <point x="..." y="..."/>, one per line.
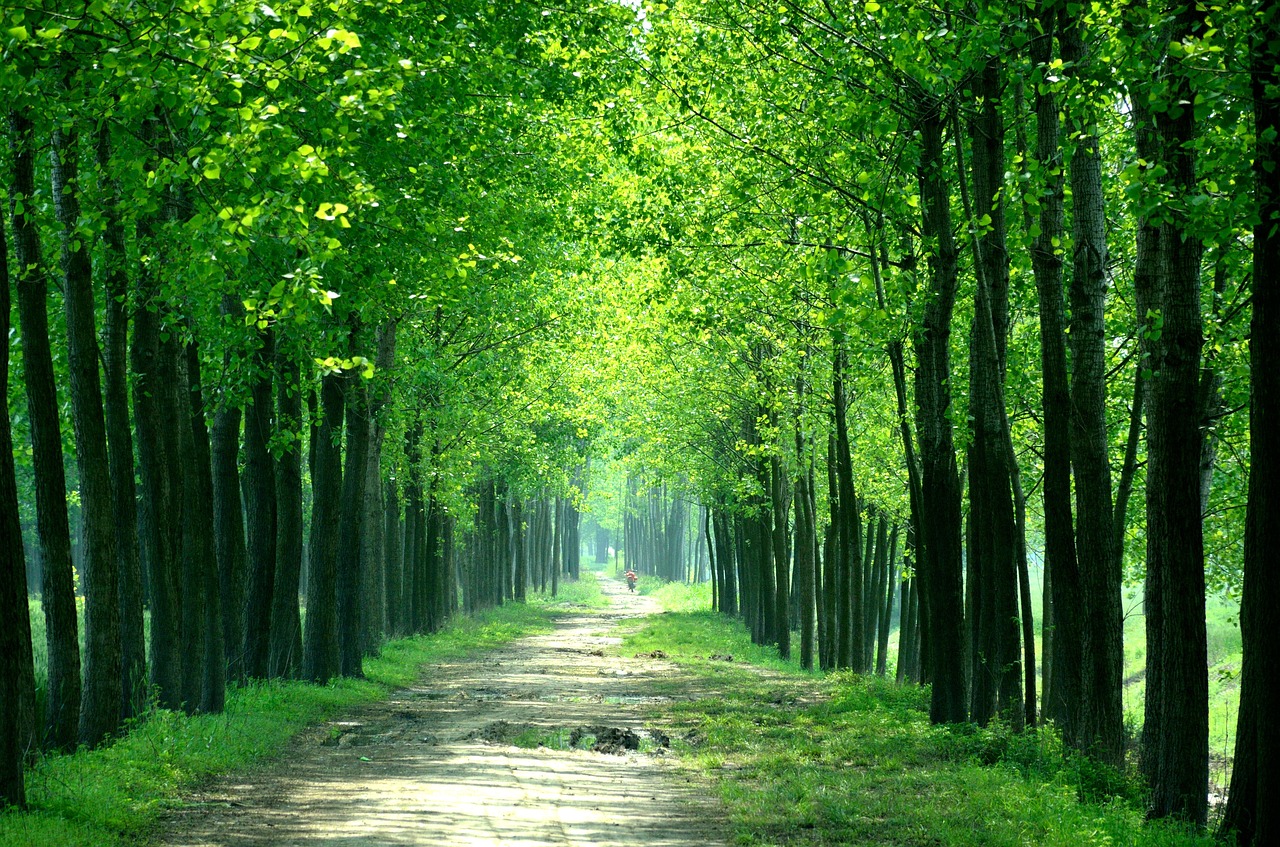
<point x="260" y="511"/>
<point x="351" y="523"/>
<point x="321" y="660"/>
<point x="202" y="604"/>
<point x="1063" y="620"/>
<point x="115" y="391"/>
<point x="57" y="582"/>
<point x="17" y="674"/>
<point x="781" y="558"/>
<point x="1253" y="804"/>
<point x="228" y="519"/>
<point x="102" y="695"/>
<point x="942" y="576"/>
<point x="284" y="650"/>
<point x="374" y="549"/>
<point x="849" y="567"/>
<point x="889" y="586"/>
<point x="1100" y="727"/>
<point x="1177" y="751"/>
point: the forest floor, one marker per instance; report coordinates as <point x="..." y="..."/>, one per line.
<point x="544" y="741"/>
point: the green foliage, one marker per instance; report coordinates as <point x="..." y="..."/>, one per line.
<point x="679" y="596"/>
<point x="582" y="593"/>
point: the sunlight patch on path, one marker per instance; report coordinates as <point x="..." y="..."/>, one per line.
<point x="433" y="766"/>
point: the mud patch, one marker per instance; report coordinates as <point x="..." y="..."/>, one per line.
<point x="498" y="732"/>
<point x="615" y="740"/>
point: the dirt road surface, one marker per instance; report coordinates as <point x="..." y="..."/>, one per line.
<point x="435" y="764"/>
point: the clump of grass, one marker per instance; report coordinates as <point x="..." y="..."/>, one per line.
<point x="114" y="795"/>
<point x="582" y="593"/>
<point x="801" y="759"/>
<point x="679" y="596"/>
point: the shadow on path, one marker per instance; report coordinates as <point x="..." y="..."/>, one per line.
<point x="434" y="764"/>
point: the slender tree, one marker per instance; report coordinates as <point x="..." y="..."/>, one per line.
<point x="1253" y="804"/>
<point x="57" y="592"/>
<point x="17" y="677"/>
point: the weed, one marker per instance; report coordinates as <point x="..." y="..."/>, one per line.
<point x="801" y="759"/>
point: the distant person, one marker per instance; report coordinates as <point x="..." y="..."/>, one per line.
<point x="631" y="580"/>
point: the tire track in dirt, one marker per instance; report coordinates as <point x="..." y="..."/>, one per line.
<point x="433" y="764"/>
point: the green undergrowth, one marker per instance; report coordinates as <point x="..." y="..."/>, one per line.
<point x="585" y="593"/>
<point x="114" y="795"/>
<point x="804" y="759"/>
<point x="676" y="596"/>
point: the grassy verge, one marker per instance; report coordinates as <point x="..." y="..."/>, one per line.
<point x="114" y="795"/>
<point x="803" y="759"/>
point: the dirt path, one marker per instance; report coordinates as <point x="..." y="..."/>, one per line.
<point x="434" y="764"/>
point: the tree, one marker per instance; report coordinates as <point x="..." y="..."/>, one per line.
<point x="17" y="682"/>
<point x="57" y="591"/>
<point x="100" y="706"/>
<point x="1251" y="813"/>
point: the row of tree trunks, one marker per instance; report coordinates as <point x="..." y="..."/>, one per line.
<point x="223" y="594"/>
<point x="656" y="530"/>
<point x="742" y="559"/>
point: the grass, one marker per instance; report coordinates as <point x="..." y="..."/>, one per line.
<point x="115" y="794"/>
<point x="803" y="759"/>
<point x="1222" y="621"/>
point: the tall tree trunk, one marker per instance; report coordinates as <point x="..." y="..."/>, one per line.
<point x="849" y="568"/>
<point x="321" y="660"/>
<point x="161" y="486"/>
<point x="228" y="518"/>
<point x="115" y="392"/>
<point x="203" y="639"/>
<point x="806" y="539"/>
<point x="1176" y="754"/>
<point x="1062" y="622"/>
<point x="394" y="568"/>
<point x="17" y="674"/>
<point x="351" y="523"/>
<point x="907" y="630"/>
<point x="57" y="592"/>
<point x="374" y="550"/>
<point x="1101" y="717"/>
<point x="997" y="661"/>
<point x="940" y="536"/>
<point x="102" y="693"/>
<point x="557" y="539"/>
<point x="260" y="511"/>
<point x="284" y="651"/>
<point x="890" y="585"/>
<point x="1253" y="804"/>
<point x="781" y="558"/>
<point x="521" y="576"/>
<point x="834" y="587"/>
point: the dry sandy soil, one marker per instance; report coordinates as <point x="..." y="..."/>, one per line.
<point x="434" y="764"/>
